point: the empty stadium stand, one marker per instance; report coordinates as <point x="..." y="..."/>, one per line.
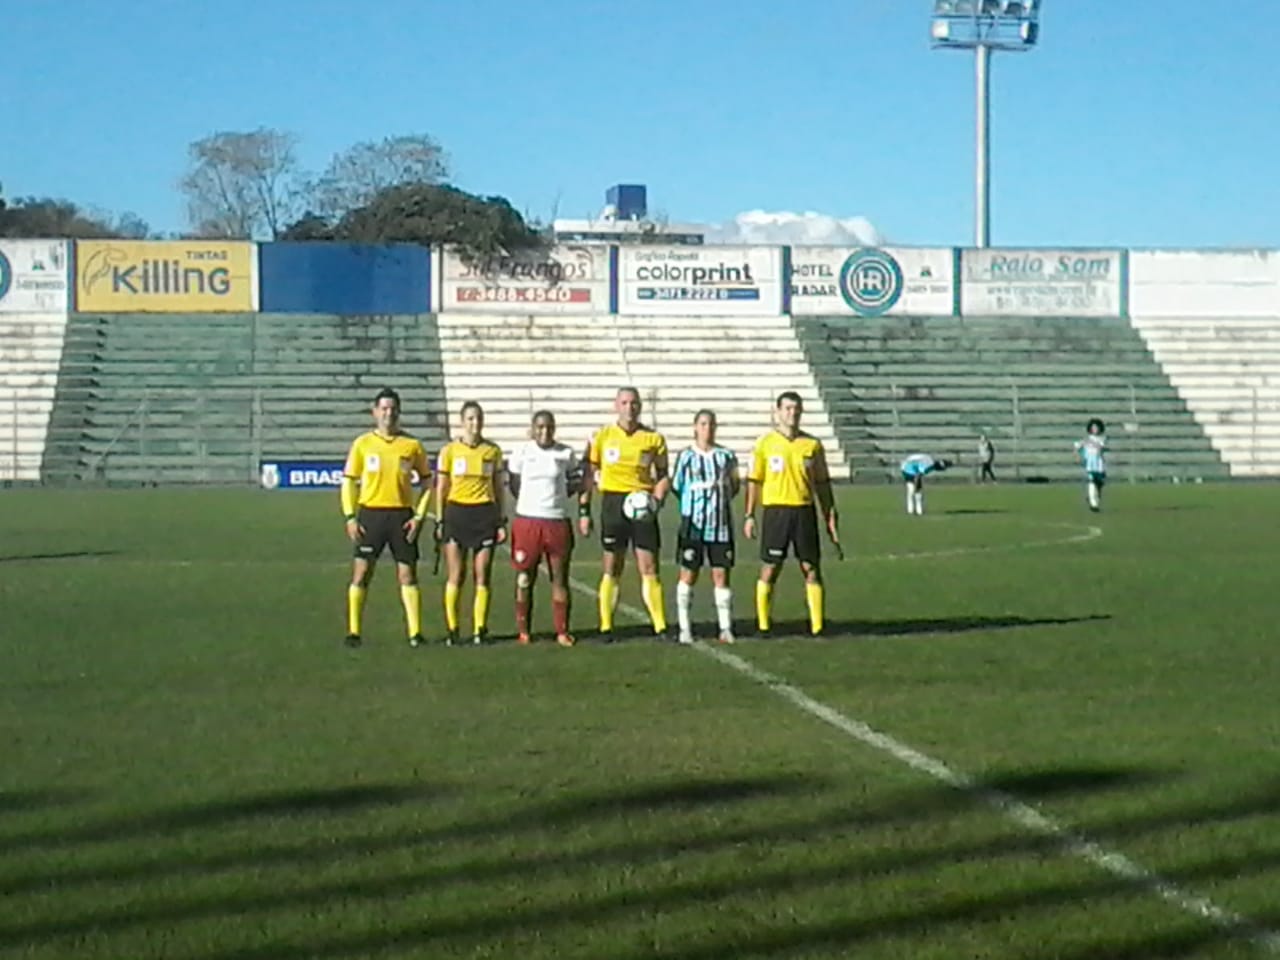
<point x="1227" y="370"/>
<point x="516" y="364"/>
<point x="174" y="399"/>
<point x="897" y="386"/>
<point x="30" y="353"/>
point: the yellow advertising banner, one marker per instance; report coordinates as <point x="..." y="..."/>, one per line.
<point x="169" y="276"/>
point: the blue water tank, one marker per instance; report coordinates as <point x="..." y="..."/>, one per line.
<point x="629" y="200"/>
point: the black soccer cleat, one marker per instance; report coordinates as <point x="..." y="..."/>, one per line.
<point x="605" y="636"/>
<point x="417" y="640"/>
<point x="352" y="640"/>
<point x="451" y="638"/>
<point x="764" y="633"/>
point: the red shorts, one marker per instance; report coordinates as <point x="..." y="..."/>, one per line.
<point x="533" y="538"/>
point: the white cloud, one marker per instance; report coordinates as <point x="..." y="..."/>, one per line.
<point x="785" y="227"/>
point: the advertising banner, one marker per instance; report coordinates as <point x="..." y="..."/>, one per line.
<point x="34" y="276"/>
<point x="1209" y="284"/>
<point x="178" y="276"/>
<point x="300" y="474"/>
<point x="700" y="281"/>
<point x="344" y="279"/>
<point x="564" y="279"/>
<point x="1043" y="283"/>
<point x="304" y="474"/>
<point x="872" y="281"/>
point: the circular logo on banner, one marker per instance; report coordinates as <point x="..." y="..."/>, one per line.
<point x="6" y="275"/>
<point x="870" y="282"/>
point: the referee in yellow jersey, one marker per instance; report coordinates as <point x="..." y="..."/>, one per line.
<point x="378" y="504"/>
<point x="628" y="457"/>
<point x="469" y="503"/>
<point x="788" y="472"/>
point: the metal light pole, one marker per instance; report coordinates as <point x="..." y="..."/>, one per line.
<point x="984" y="26"/>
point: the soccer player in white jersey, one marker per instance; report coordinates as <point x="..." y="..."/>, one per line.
<point x="544" y="475"/>
<point x="914" y="469"/>
<point x="1092" y="452"/>
<point x="706" y="480"/>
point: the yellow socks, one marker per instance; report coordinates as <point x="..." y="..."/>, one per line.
<point x="651" y="590"/>
<point x="764" y="600"/>
<point x="480" y="610"/>
<point x="451" y="607"/>
<point x="608" y="595"/>
<point x="355" y="607"/>
<point x="411" y="600"/>
<point x="813" y="597"/>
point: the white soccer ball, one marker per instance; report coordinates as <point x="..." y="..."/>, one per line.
<point x="638" y="506"/>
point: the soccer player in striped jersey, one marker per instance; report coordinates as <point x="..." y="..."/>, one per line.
<point x="706" y="481"/>
<point x="914" y="469"/>
<point x="1092" y="452"/>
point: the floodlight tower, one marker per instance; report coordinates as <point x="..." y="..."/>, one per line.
<point x="984" y="26"/>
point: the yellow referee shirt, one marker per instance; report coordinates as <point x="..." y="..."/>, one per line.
<point x="626" y="460"/>
<point x="787" y="469"/>
<point x="385" y="467"/>
<point x="472" y="471"/>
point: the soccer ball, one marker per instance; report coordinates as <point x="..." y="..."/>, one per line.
<point x="638" y="506"/>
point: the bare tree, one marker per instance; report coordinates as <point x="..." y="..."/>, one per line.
<point x="361" y="172"/>
<point x="242" y="185"/>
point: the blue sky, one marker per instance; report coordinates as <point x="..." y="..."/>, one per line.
<point x="1148" y="123"/>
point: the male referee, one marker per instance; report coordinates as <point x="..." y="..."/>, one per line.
<point x="381" y="512"/>
<point x="788" y="470"/>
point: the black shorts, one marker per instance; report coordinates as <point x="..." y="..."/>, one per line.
<point x="617" y="532"/>
<point x="384" y="527"/>
<point x="471" y="526"/>
<point x="1098" y="479"/>
<point x="789" y="527"/>
<point x="692" y="551"/>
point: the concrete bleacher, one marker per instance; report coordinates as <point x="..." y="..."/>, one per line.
<point x="515" y="364"/>
<point x="30" y="354"/>
<point x="204" y="398"/>
<point x="1227" y="370"/>
<point x="898" y="386"/>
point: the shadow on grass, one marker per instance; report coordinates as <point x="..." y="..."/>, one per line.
<point x="318" y="802"/>
<point x="779" y="869"/>
<point x="26" y="801"/>
<point x="63" y="555"/>
<point x="845" y="629"/>
<point x="971" y="511"/>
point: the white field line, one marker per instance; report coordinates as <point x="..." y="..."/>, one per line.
<point x="1023" y="814"/>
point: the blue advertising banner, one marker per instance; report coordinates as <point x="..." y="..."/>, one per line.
<point x="344" y="279"/>
<point x="300" y="474"/>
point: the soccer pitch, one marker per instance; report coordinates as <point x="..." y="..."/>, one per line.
<point x="1031" y="731"/>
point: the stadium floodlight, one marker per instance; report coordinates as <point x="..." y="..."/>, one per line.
<point x="984" y="26"/>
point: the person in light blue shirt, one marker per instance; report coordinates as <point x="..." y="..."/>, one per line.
<point x="914" y="469"/>
<point x="706" y="480"/>
<point x="1092" y="451"/>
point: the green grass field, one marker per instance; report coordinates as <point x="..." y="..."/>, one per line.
<point x="194" y="766"/>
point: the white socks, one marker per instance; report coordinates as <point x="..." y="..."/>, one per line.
<point x="915" y="500"/>
<point x="1095" y="497"/>
<point x="684" y="608"/>
<point x="724" y="608"/>
<point x="684" y="602"/>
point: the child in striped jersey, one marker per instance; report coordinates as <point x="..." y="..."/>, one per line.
<point x="706" y="480"/>
<point x="1092" y="452"/>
